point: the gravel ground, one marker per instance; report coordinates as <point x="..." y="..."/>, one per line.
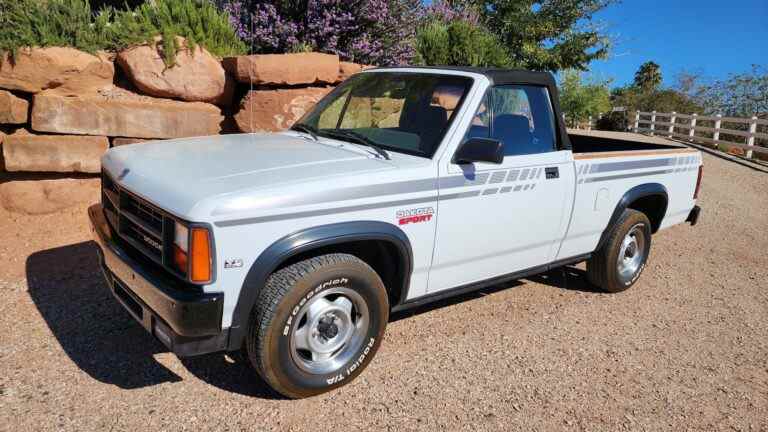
<point x="685" y="349"/>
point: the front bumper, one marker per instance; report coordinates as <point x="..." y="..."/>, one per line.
<point x="188" y="323"/>
<point x="693" y="216"/>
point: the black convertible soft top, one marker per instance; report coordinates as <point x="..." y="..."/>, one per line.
<point x="511" y="77"/>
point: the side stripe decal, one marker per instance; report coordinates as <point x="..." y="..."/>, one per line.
<point x="621" y="176"/>
<point x="455" y="181"/>
<point x="627" y="165"/>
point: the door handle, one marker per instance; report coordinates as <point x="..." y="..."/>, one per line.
<point x="551" y="173"/>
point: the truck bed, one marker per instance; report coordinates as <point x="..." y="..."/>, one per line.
<point x="603" y="141"/>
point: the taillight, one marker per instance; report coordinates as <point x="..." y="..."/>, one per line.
<point x="698" y="182"/>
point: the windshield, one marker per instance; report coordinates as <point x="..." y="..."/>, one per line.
<point x="395" y="111"/>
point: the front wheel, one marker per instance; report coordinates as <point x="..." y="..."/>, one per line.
<point x="317" y="325"/>
<point x="617" y="265"/>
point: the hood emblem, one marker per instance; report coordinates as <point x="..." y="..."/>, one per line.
<point x="123" y="173"/>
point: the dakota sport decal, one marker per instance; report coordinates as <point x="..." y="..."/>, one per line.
<point x="416" y="215"/>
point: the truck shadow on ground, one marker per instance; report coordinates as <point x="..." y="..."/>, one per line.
<point x="103" y="340"/>
<point x="68" y="289"/>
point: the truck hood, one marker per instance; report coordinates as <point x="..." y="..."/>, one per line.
<point x="177" y="175"/>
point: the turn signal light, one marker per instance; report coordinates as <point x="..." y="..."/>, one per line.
<point x="200" y="255"/>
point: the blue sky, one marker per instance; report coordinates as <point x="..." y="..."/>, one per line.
<point x="714" y="38"/>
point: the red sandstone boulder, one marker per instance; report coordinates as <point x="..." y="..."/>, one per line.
<point x="274" y="110"/>
<point x="47" y="196"/>
<point x="197" y="76"/>
<point x="67" y="69"/>
<point x="118" y="112"/>
<point x="2" y="159"/>
<point x="24" y="151"/>
<point x="13" y="110"/>
<point x="119" y="141"/>
<point x="284" y="69"/>
<point x="347" y="69"/>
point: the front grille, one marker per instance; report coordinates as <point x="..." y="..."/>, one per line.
<point x="137" y="222"/>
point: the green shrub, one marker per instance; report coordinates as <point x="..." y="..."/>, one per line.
<point x="49" y="23"/>
<point x="198" y="21"/>
<point x="613" y="121"/>
<point x="580" y="98"/>
<point x="459" y="43"/>
<point x="71" y="23"/>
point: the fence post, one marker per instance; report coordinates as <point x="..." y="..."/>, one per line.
<point x="751" y="138"/>
<point x="716" y="135"/>
<point x="637" y="120"/>
<point x="692" y="130"/>
<point x="653" y="122"/>
<point x="672" y="124"/>
<point x="589" y="125"/>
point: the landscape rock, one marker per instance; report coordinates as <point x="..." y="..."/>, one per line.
<point x="347" y="69"/>
<point x="2" y="158"/>
<point x="118" y="112"/>
<point x="13" y="110"/>
<point x="118" y="141"/>
<point x="197" y="76"/>
<point x="24" y="151"/>
<point x="284" y="69"/>
<point x="34" y="197"/>
<point x="67" y="69"/>
<point x="274" y="110"/>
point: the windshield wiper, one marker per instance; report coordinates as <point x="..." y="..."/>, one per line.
<point x="359" y="139"/>
<point x="302" y="127"/>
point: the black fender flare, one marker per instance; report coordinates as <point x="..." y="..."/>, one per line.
<point x="632" y="195"/>
<point x="305" y="240"/>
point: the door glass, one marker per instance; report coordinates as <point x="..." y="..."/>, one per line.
<point x="519" y="116"/>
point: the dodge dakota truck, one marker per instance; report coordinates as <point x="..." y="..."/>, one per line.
<point x="401" y="187"/>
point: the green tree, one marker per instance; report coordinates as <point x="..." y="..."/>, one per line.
<point x="580" y="98"/>
<point x="740" y="95"/>
<point x="646" y="93"/>
<point x="648" y="76"/>
<point x="548" y="35"/>
<point x="459" y="43"/>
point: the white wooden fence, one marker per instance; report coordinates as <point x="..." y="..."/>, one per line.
<point x="689" y="127"/>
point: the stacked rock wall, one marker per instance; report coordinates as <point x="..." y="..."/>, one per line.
<point x="61" y="109"/>
<point x="64" y="120"/>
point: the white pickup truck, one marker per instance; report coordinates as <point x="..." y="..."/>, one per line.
<point x="402" y="186"/>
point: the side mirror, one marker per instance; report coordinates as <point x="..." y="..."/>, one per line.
<point x="480" y="150"/>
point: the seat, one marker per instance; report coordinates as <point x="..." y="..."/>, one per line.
<point x="428" y="123"/>
<point x="514" y="131"/>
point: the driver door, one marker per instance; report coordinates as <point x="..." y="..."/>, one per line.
<point x="495" y="220"/>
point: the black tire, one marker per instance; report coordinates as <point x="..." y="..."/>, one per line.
<point x="270" y="344"/>
<point x="603" y="269"/>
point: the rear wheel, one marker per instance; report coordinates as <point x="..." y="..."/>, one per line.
<point x="317" y="325"/>
<point x="618" y="264"/>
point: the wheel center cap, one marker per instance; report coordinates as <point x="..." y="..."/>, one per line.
<point x="327" y="328"/>
<point x="631" y="249"/>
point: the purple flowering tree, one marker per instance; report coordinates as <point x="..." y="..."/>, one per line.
<point x="379" y="32"/>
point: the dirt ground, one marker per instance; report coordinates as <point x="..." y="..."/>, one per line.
<point x="685" y="349"/>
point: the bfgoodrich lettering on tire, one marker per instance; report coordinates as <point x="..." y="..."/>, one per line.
<point x="621" y="260"/>
<point x="317" y="324"/>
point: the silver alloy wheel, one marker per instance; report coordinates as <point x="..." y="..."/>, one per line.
<point x="631" y="253"/>
<point x="329" y="330"/>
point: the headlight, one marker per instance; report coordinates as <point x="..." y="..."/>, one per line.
<point x="192" y="254"/>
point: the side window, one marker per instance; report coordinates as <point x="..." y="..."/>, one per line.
<point x="519" y="116"/>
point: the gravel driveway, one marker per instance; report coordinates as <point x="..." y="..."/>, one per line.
<point x="685" y="349"/>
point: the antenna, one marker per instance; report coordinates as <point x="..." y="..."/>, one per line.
<point x="250" y="76"/>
